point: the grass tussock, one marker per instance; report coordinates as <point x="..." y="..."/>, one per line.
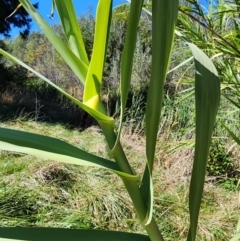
<point x="42" y="193"/>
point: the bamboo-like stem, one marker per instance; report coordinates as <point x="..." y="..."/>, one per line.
<point x="132" y="188"/>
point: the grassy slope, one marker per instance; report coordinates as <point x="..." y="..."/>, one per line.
<point x="36" y="192"/>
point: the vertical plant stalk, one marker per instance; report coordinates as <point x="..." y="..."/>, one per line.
<point x="132" y="188"/>
<point x="164" y="19"/>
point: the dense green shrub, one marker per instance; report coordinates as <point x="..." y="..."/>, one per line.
<point x="221" y="167"/>
<point x="220" y="162"/>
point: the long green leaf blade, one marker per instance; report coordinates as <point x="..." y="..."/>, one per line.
<point x="207" y="97"/>
<point x="71" y="28"/>
<point x="48" y="147"/>
<point x="54" y="149"/>
<point x="60" y="234"/>
<point x="96" y="67"/>
<point x="164" y="17"/>
<point x="76" y="64"/>
<point x="127" y="59"/>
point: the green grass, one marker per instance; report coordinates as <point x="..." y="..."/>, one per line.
<point x="43" y="193"/>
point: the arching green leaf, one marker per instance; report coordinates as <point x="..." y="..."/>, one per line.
<point x="94" y="113"/>
<point x="54" y="149"/>
<point x="76" y="64"/>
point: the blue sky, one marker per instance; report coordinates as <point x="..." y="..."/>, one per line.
<point x="81" y="6"/>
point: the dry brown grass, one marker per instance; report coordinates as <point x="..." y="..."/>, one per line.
<point x="172" y="171"/>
